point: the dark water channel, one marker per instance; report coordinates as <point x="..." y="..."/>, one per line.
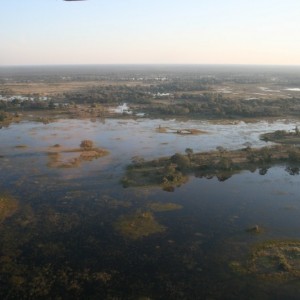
<point x="64" y="240"/>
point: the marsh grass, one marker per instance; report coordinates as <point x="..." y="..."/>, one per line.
<point x="61" y="157"/>
<point x="138" y="225"/>
<point x="8" y="206"/>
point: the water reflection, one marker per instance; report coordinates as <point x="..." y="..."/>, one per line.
<point x="76" y="233"/>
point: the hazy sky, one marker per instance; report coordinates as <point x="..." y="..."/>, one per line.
<point x="150" y="31"/>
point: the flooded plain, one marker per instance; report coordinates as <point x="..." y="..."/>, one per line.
<point x="72" y="231"/>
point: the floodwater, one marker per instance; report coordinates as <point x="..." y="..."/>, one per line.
<point x="65" y="240"/>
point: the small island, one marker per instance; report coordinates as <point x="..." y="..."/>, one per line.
<point x="282" y="137"/>
<point x="271" y="260"/>
<point x="138" y="225"/>
<point x="171" y="172"/>
<point x="86" y="152"/>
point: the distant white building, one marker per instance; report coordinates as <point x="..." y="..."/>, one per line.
<point x="161" y="95"/>
<point x="122" y="109"/>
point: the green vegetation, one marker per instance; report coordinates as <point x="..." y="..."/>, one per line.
<point x="171" y="172"/>
<point x="282" y="137"/>
<point x="8" y="206"/>
<point x="277" y="259"/>
<point x="7" y="118"/>
<point x="59" y="157"/>
<point x="44" y="282"/>
<point x="21" y="146"/>
<point x="191" y="131"/>
<point x="81" y="238"/>
<point x="138" y="225"/>
<point x="193" y="93"/>
<point x="86" y="144"/>
<point x="255" y="229"/>
<point x="161" y="207"/>
<point x="157" y="172"/>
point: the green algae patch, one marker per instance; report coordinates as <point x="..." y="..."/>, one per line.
<point x="8" y="206"/>
<point x="138" y="225"/>
<point x="161" y="207"/>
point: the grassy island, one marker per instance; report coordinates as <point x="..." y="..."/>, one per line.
<point x="171" y="172"/>
<point x="60" y="157"/>
<point x="6" y="118"/>
<point x="273" y="260"/>
<point x="282" y="137"/>
<point x="138" y="225"/>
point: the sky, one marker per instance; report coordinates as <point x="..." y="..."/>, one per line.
<point x="46" y="32"/>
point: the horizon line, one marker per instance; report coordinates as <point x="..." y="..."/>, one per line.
<point x="152" y="64"/>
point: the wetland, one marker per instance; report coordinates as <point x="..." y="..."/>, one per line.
<point x="99" y="205"/>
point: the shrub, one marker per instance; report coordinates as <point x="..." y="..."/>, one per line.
<point x="182" y="161"/>
<point x="86" y="144"/>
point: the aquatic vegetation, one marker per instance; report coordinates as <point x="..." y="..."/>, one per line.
<point x="110" y="202"/>
<point x="86" y="144"/>
<point x="160" y="207"/>
<point x="44" y="120"/>
<point x="173" y="171"/>
<point x="61" y="157"/>
<point x="114" y="203"/>
<point x="189" y="131"/>
<point x="7" y="118"/>
<point x="181" y="161"/>
<point x="165" y="175"/>
<point x="62" y="222"/>
<point x="138" y="225"/>
<point x="21" y="146"/>
<point x="282" y="137"/>
<point x="8" y="206"/>
<point x="255" y="229"/>
<point x="56" y="161"/>
<point x="276" y="259"/>
<point x="56" y="146"/>
<point x="27" y="282"/>
<point x="161" y="129"/>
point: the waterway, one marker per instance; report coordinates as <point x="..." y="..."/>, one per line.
<point x="65" y="239"/>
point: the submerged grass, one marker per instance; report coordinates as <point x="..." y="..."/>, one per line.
<point x="138" y="225"/>
<point x="8" y="206"/>
<point x="272" y="260"/>
<point x="161" y="207"/>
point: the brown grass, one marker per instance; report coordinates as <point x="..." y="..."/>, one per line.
<point x="59" y="157"/>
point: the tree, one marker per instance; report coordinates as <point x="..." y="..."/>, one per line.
<point x="180" y="160"/>
<point x="51" y="105"/>
<point x="86" y="144"/>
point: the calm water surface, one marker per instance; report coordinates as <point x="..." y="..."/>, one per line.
<point x="63" y="242"/>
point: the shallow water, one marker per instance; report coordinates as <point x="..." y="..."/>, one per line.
<point x="63" y="240"/>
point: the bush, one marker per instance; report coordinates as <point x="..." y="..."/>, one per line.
<point x="86" y="144"/>
<point x="2" y="116"/>
<point x="294" y="155"/>
<point x="182" y="161"/>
